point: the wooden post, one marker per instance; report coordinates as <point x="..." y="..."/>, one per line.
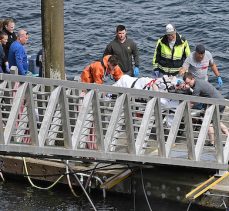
<point x="52" y="12"/>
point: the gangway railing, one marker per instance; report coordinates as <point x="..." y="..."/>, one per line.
<point x="61" y="118"/>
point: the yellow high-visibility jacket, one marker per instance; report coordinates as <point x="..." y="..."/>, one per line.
<point x="167" y="60"/>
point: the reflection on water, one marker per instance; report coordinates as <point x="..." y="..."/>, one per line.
<point x="18" y="196"/>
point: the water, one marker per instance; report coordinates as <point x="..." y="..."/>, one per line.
<point x="90" y="26"/>
<point x="20" y="196"/>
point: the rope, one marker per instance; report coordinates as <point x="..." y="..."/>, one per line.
<point x="69" y="180"/>
<point x="85" y="192"/>
<point x="225" y="205"/>
<point x="84" y="171"/>
<point x="2" y="176"/>
<point x="89" y="178"/>
<point x="189" y="205"/>
<point x="31" y="182"/>
<point x="143" y="187"/>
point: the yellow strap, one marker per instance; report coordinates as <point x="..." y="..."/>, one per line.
<point x="211" y="185"/>
<point x="200" y="186"/>
<point x="208" y="187"/>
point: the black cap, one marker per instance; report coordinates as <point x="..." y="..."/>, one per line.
<point x="200" y="49"/>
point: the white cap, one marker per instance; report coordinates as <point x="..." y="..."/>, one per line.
<point x="170" y="29"/>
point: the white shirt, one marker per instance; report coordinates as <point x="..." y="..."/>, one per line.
<point x="199" y="69"/>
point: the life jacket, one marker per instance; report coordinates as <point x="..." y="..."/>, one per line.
<point x="86" y="76"/>
<point x="116" y="73"/>
<point x="104" y="61"/>
<point x="168" y="60"/>
<point x="95" y="72"/>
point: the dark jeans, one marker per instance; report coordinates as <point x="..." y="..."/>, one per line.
<point x="199" y="106"/>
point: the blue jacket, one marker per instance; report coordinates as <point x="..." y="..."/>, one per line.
<point x="18" y="57"/>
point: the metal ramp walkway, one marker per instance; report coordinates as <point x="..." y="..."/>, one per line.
<point x="45" y="117"/>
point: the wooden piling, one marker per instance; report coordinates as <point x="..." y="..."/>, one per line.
<point x="52" y="12"/>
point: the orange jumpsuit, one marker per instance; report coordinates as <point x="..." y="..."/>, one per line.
<point x="94" y="73"/>
<point x="116" y="73"/>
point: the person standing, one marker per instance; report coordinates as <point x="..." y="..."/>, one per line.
<point x="4" y="65"/>
<point x="17" y="53"/>
<point x="198" y="62"/>
<point x="171" y="51"/>
<point x="126" y="50"/>
<point x="39" y="62"/>
<point x="8" y="28"/>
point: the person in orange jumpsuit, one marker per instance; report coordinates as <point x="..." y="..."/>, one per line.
<point x="96" y="73"/>
<point x="97" y="70"/>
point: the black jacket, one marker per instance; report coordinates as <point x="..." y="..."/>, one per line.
<point x="11" y="38"/>
<point x="125" y="52"/>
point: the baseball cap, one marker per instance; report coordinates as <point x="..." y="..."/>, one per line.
<point x="170" y="29"/>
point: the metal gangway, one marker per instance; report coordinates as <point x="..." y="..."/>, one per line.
<point x="61" y="118"/>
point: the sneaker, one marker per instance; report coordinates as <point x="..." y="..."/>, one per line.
<point x="209" y="144"/>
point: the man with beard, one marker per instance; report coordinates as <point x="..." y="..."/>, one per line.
<point x="126" y="50"/>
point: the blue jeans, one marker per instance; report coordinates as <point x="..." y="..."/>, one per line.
<point x="199" y="106"/>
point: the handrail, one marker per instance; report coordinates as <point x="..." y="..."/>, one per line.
<point x="108" y="88"/>
<point x="134" y="125"/>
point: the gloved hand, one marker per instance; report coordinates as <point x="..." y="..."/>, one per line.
<point x="29" y="73"/>
<point x="136" y="72"/>
<point x="179" y="82"/>
<point x="220" y="82"/>
<point x="7" y="69"/>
